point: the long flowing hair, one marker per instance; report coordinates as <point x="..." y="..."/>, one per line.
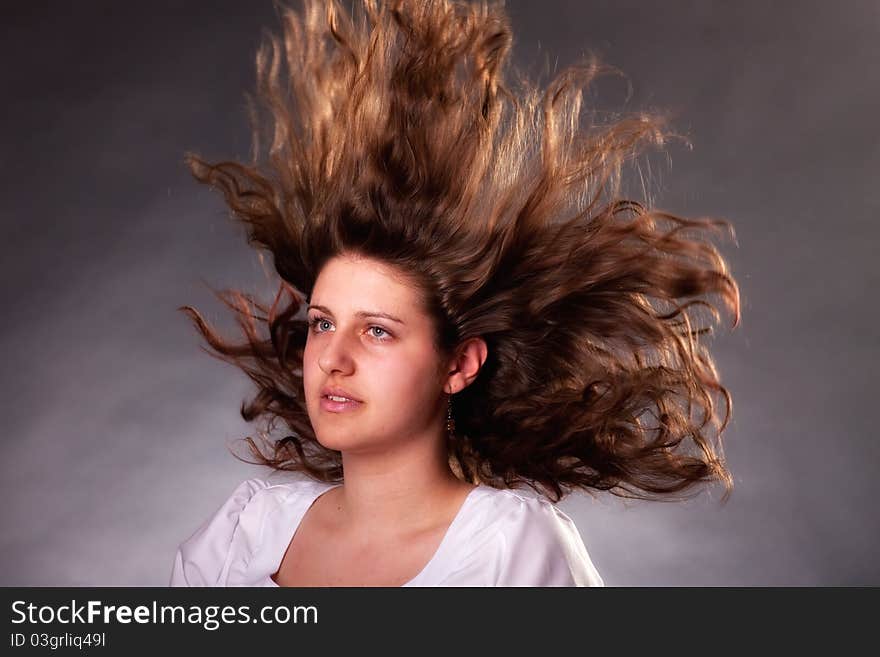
<point x="400" y="132"/>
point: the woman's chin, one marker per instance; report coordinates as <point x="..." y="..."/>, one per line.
<point x="337" y="440"/>
<point x="348" y="442"/>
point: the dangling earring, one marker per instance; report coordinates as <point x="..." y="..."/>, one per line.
<point x="450" y="422"/>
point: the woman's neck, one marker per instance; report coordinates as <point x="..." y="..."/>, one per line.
<point x="405" y="491"/>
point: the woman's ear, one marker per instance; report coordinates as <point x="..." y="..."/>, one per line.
<point x="465" y="365"/>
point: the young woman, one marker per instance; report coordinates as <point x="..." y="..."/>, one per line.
<point x="467" y="307"/>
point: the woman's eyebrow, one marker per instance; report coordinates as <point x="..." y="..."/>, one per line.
<point x="360" y="313"/>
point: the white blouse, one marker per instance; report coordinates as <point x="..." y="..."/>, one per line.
<point x="498" y="538"/>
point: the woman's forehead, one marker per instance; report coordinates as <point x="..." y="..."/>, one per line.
<point x="365" y="286"/>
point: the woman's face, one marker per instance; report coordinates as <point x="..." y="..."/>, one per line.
<point x="370" y="339"/>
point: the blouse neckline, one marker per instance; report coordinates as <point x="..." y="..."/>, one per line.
<point x="441" y="548"/>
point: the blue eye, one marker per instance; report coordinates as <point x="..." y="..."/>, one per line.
<point x="318" y="320"/>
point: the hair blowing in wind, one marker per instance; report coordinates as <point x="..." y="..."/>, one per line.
<point x="394" y="132"/>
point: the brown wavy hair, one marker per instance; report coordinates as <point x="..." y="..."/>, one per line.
<point x="392" y="133"/>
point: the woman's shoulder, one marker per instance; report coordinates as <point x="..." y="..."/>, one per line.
<point x="514" y="510"/>
<point x="237" y="526"/>
<point x="528" y="541"/>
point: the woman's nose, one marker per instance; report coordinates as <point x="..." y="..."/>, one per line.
<point x="336" y="354"/>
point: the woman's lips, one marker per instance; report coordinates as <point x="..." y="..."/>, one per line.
<point x="333" y="406"/>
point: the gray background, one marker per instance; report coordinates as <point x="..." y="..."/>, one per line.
<point x="116" y="423"/>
